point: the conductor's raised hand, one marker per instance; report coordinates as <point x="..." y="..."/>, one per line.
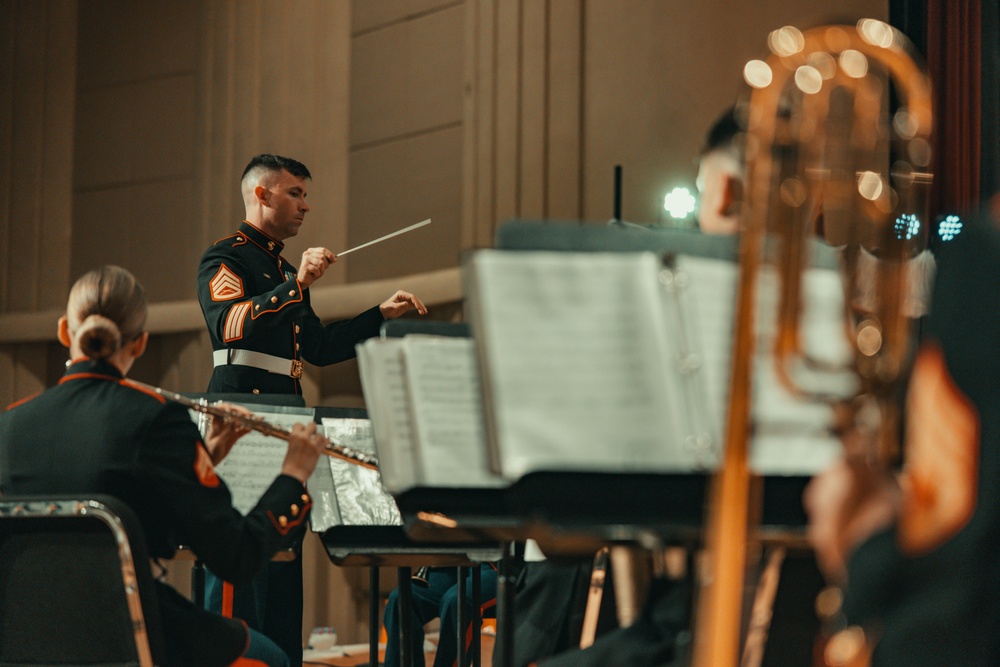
<point x="315" y="262"/>
<point x="305" y="446"/>
<point x="399" y="303"/>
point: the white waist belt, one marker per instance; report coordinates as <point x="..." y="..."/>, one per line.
<point x="267" y="362"/>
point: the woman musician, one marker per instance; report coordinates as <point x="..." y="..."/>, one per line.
<point x="109" y="436"/>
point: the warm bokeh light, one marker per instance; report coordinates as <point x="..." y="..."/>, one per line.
<point x="786" y="41"/>
<point x="870" y="185"/>
<point x="757" y="74"/>
<point x="824" y="64"/>
<point x="808" y="79"/>
<point x="853" y="63"/>
<point x="877" y="33"/>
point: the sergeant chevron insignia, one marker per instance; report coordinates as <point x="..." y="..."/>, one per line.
<point x="226" y="285"/>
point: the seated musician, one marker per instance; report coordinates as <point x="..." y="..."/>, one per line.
<point x="435" y="598"/>
<point x="95" y="433"/>
<point x="917" y="551"/>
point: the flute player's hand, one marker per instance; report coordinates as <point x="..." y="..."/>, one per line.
<point x="223" y="433"/>
<point x="315" y="262"/>
<point x="305" y="446"/>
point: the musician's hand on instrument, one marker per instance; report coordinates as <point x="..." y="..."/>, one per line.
<point x="315" y="262"/>
<point x="399" y="303"/>
<point x="223" y="433"/>
<point x="847" y="504"/>
<point x="305" y="446"/>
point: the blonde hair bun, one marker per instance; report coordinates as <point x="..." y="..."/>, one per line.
<point x="98" y="337"/>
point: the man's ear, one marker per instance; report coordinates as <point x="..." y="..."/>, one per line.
<point x="62" y="332"/>
<point x="262" y="194"/>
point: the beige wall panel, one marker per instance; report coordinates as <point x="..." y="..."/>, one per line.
<point x="653" y="86"/>
<point x="565" y="116"/>
<point x="57" y="200"/>
<point x="28" y="131"/>
<point x="130" y="41"/>
<point x="145" y="238"/>
<point x="136" y="132"/>
<point x="481" y="125"/>
<point x="399" y="184"/>
<point x="8" y="29"/>
<point x="368" y="15"/>
<point x="165" y="261"/>
<point x="534" y="108"/>
<point x="407" y="78"/>
<point x="104" y="142"/>
<point x="508" y="110"/>
<point x="31" y="369"/>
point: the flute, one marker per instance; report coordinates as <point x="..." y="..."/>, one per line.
<point x="257" y="423"/>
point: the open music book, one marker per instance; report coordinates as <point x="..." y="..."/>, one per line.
<point x="422" y="394"/>
<point x="357" y="497"/>
<point x="615" y="362"/>
<point x="589" y="362"/>
<point x="342" y="493"/>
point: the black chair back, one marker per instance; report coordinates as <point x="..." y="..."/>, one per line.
<point x="75" y="584"/>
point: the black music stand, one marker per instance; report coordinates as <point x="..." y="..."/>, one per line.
<point x="389" y="546"/>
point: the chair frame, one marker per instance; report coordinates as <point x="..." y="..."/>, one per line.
<point x="29" y="507"/>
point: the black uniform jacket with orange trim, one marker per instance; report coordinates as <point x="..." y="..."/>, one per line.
<point x="252" y="300"/>
<point x="97" y="433"/>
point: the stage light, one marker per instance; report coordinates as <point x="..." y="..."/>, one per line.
<point x="679" y="203"/>
<point x="907" y="226"/>
<point x="949" y="227"/>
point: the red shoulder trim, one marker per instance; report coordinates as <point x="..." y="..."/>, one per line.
<point x="24" y="400"/>
<point x="126" y="383"/>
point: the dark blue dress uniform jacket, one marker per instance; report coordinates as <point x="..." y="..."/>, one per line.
<point x="96" y="433"/>
<point x="252" y="300"/>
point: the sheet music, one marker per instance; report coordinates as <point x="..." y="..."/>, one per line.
<point x="384" y="385"/>
<point x="577" y="371"/>
<point x="253" y="463"/>
<point x="356" y="492"/>
<point x="446" y="407"/>
<point x="791" y="434"/>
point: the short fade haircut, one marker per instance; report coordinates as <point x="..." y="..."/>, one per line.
<point x="275" y="163"/>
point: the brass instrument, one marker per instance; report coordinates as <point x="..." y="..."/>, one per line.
<point x="256" y="423"/>
<point x="819" y="140"/>
<point x="421" y="576"/>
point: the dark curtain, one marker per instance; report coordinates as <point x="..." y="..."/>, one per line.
<point x="960" y="40"/>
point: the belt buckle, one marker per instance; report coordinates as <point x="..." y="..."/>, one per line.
<point x="296" y="369"/>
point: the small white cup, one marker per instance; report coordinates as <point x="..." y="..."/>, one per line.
<point x="322" y="639"/>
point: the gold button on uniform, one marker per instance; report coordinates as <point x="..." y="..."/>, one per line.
<point x="240" y="239"/>
<point x="295" y="510"/>
<point x="270" y="245"/>
<point x="297" y="346"/>
<point x="274" y="299"/>
<point x="283" y="521"/>
<point x="256" y="391"/>
<point x="257" y="307"/>
<point x="305" y="497"/>
<point x="296" y="328"/>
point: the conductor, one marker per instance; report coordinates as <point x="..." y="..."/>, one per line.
<point x="262" y="327"/>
